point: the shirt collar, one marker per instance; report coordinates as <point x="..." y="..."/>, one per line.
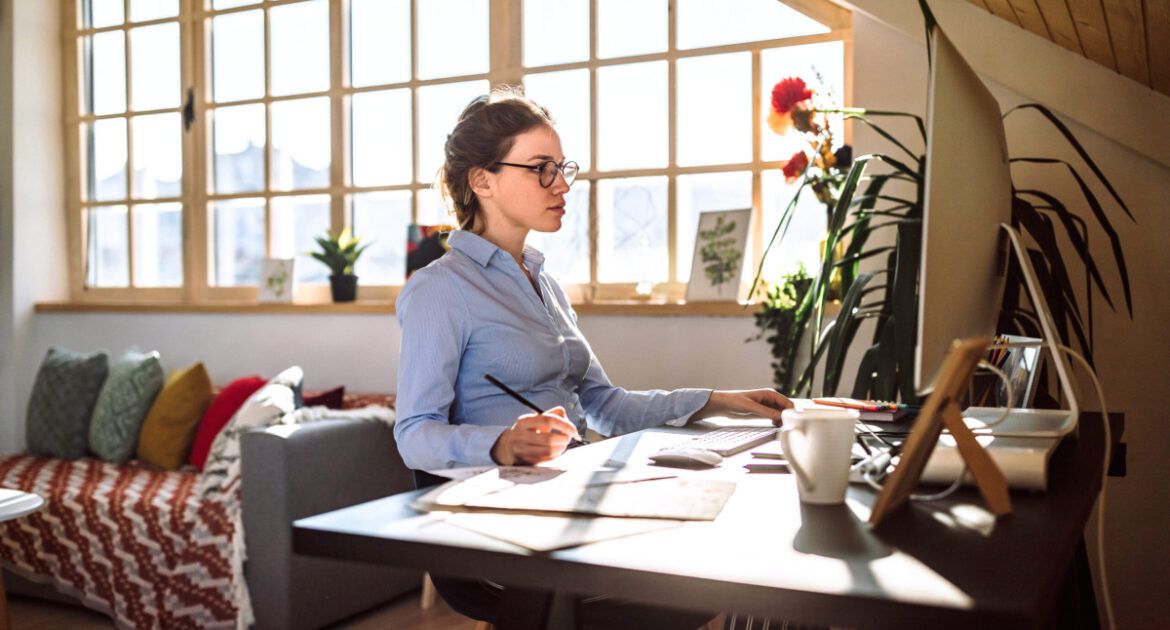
<point x="481" y="250"/>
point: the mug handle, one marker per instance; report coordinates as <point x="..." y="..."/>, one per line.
<point x="801" y="476"/>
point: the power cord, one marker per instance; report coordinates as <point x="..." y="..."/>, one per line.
<point x="1104" y="478"/>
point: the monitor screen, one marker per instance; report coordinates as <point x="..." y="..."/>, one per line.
<point x="968" y="195"/>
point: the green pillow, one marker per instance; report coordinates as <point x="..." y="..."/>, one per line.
<point x="130" y="388"/>
<point x="62" y="400"/>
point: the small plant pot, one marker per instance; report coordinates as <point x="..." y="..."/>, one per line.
<point x="344" y="288"/>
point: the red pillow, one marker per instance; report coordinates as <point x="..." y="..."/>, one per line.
<point x="331" y="398"/>
<point x="219" y="412"/>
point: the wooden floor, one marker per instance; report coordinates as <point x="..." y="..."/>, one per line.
<point x="404" y="612"/>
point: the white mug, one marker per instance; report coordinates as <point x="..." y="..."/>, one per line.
<point x="820" y="459"/>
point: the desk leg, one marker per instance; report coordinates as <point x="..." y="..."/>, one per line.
<point x="4" y="623"/>
<point x="562" y="613"/>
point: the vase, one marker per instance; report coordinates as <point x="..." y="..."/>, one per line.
<point x="344" y="287"/>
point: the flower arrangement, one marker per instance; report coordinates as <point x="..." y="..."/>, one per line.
<point x="892" y="201"/>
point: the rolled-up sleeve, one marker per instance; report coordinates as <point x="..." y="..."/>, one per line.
<point x="435" y="327"/>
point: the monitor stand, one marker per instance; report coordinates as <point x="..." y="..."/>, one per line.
<point x="1047" y="423"/>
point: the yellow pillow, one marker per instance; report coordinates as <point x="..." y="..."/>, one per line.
<point x="170" y="424"/>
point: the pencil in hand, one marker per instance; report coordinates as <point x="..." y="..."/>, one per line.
<point x="524" y="401"/>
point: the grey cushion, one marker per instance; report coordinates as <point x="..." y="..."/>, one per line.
<point x="134" y="381"/>
<point x="62" y="401"/>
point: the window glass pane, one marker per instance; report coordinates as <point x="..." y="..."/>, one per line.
<point x="802" y="242"/>
<point x="380" y="42"/>
<point x="822" y="68"/>
<point x="450" y="46"/>
<point x="715" y="109"/>
<point x="158" y="156"/>
<point x="566" y="95"/>
<point x="237" y="56"/>
<point x="108" y="264"/>
<point x="300" y="47"/>
<point x="158" y="245"/>
<point x="99" y="13"/>
<point x="567" y="250"/>
<point x="381" y="138"/>
<point x="439" y="107"/>
<point x="705" y="23"/>
<point x="300" y="144"/>
<point x="631" y="116"/>
<point x="555" y="31"/>
<point x="106" y="73"/>
<point x="239" y="148"/>
<point x="296" y="222"/>
<point x="142" y="10"/>
<point x="107" y="160"/>
<point x="238" y="228"/>
<point x="227" y="4"/>
<point x="700" y="193"/>
<point x="380" y="219"/>
<point x="630" y="27"/>
<point x="154" y="66"/>
<point x="631" y="230"/>
<point x="432" y="210"/>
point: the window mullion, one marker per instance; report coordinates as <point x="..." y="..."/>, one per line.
<point x="671" y="141"/>
<point x="129" y="145"/>
<point x="757" y="234"/>
<point x="414" y="141"/>
<point x="338" y="137"/>
<point x="196" y="244"/>
<point x="593" y="218"/>
<point x="267" y="189"/>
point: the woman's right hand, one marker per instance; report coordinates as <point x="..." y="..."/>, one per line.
<point x="534" y="438"/>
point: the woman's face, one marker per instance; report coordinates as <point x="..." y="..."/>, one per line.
<point x="517" y="200"/>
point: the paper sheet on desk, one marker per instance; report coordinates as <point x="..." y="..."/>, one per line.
<point x="632" y="493"/>
<point x="549" y="533"/>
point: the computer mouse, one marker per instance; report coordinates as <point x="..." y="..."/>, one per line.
<point x="687" y="458"/>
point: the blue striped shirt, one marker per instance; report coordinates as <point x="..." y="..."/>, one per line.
<point x="474" y="311"/>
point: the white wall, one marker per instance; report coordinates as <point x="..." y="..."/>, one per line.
<point x="32" y="216"/>
<point x="360" y="351"/>
<point x="890" y="73"/>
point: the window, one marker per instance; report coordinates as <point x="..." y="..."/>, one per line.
<point x="211" y="134"/>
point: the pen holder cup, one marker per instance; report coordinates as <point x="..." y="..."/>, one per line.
<point x="817" y="444"/>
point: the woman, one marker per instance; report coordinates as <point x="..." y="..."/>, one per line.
<point x="487" y="307"/>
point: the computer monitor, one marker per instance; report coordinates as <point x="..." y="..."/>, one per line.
<point x="968" y="195"/>
<point x="966" y="236"/>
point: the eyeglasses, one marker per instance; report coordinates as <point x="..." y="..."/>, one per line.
<point x="548" y="171"/>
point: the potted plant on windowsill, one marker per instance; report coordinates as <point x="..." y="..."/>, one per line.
<point x="340" y="252"/>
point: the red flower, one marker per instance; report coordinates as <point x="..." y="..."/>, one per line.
<point x="795" y="166"/>
<point x="788" y="92"/>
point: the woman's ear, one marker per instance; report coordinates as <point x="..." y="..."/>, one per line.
<point x="480" y="181"/>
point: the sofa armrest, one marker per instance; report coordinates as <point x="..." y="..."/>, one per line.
<point x="293" y="471"/>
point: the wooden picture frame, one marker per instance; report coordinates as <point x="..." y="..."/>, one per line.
<point x="942" y="411"/>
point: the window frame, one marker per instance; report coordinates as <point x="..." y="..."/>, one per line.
<point x="505" y="67"/>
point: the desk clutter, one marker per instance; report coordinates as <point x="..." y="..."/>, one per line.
<point x="544" y="508"/>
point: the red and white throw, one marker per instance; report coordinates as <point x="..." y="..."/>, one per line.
<point x="135" y="543"/>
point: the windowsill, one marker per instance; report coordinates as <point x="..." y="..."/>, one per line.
<point x="386" y="307"/>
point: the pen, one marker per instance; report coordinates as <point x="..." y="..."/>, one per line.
<point x="522" y="400"/>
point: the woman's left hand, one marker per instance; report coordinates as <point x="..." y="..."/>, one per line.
<point x="765" y="403"/>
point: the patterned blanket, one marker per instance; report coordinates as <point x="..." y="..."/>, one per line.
<point x="134" y="543"/>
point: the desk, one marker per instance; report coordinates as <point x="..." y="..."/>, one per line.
<point x="940" y="564"/>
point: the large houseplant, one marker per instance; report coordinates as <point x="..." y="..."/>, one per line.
<point x="890" y="198"/>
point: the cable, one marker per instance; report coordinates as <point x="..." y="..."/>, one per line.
<point x="1104" y="478"/>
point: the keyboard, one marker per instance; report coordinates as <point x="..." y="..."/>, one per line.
<point x="728" y="441"/>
